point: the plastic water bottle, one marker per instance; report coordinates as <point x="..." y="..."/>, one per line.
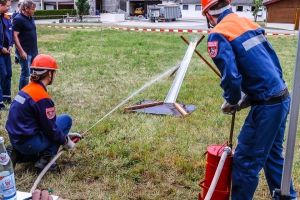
<point x="7" y="178"/>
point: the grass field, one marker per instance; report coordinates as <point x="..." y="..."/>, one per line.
<point x="135" y="156"/>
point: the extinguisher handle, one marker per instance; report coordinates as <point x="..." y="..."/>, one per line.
<point x="75" y="140"/>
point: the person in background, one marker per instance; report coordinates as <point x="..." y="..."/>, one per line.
<point x="17" y="12"/>
<point x="6" y="43"/>
<point x="25" y="38"/>
<point x="251" y="75"/>
<point x="17" y="55"/>
<point x="34" y="130"/>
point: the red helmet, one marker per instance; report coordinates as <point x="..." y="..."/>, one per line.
<point x="43" y="61"/>
<point x="207" y="4"/>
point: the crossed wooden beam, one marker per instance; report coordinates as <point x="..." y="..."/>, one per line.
<point x="199" y="54"/>
<point x="161" y="107"/>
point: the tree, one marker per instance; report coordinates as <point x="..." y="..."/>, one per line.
<point x="82" y="8"/>
<point x="257" y="4"/>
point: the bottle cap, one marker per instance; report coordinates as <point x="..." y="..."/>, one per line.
<point x="1" y="140"/>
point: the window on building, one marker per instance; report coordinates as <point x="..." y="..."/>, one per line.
<point x="198" y="7"/>
<point x="185" y="7"/>
<point x="252" y="8"/>
<point x="239" y="8"/>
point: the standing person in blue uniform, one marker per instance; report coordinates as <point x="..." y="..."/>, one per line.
<point x="251" y="72"/>
<point x="25" y="38"/>
<point x="32" y="125"/>
<point x="16" y="12"/>
<point x="6" y="43"/>
<point x="17" y="55"/>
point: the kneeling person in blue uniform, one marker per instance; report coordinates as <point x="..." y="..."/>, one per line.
<point x="35" y="131"/>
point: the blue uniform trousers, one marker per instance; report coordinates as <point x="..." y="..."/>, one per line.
<point x="5" y="77"/>
<point x="40" y="143"/>
<point x="260" y="146"/>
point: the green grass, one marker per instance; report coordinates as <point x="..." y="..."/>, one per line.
<point x="135" y="156"/>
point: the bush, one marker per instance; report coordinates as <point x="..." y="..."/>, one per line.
<point x="54" y="14"/>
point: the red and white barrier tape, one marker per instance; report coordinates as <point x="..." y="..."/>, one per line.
<point x="162" y="30"/>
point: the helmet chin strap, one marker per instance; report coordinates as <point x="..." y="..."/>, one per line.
<point x="52" y="72"/>
<point x="209" y="25"/>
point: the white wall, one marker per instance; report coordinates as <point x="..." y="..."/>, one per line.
<point x="248" y="13"/>
<point x="191" y="12"/>
<point x="13" y="6"/>
<point x="49" y="7"/>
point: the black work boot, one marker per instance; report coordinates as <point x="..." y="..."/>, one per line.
<point x="2" y="107"/>
<point x="14" y="155"/>
<point x="43" y="161"/>
<point x="7" y="101"/>
<point x="17" y="61"/>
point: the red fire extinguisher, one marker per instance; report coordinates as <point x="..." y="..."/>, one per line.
<point x="221" y="184"/>
<point x="222" y="189"/>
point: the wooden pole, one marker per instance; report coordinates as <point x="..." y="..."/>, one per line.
<point x="143" y="105"/>
<point x="175" y="70"/>
<point x="197" y="52"/>
<point x="180" y="109"/>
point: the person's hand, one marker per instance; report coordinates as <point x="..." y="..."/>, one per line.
<point x="23" y="55"/>
<point x="4" y="50"/>
<point x="41" y="195"/>
<point x="10" y="49"/>
<point x="69" y="144"/>
<point x="72" y="136"/>
<point x="244" y="102"/>
<point x="229" y="109"/>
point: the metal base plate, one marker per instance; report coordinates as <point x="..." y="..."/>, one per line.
<point x="164" y="109"/>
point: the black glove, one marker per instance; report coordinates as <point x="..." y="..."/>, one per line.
<point x="229" y="109"/>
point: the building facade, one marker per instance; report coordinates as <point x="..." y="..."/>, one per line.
<point x="282" y="13"/>
<point x="189" y="8"/>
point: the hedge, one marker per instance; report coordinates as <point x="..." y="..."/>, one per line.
<point x="54" y="14"/>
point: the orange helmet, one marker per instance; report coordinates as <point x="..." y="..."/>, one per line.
<point x="207" y="4"/>
<point x="43" y="61"/>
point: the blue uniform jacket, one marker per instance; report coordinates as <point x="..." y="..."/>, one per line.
<point x="31" y="112"/>
<point x="8" y="31"/>
<point x="245" y="59"/>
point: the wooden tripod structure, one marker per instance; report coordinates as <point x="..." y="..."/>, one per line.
<point x="169" y="105"/>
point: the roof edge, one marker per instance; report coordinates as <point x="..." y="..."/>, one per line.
<point x="270" y="2"/>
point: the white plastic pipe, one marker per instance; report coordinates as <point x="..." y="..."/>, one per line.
<point x="174" y="90"/>
<point x="226" y="152"/>
<point x="292" y="127"/>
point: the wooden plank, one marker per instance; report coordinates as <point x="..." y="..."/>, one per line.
<point x="143" y="105"/>
<point x="180" y="109"/>
<point x="297" y="17"/>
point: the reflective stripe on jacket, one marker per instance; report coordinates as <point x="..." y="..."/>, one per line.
<point x="31" y="112"/>
<point x="245" y="59"/>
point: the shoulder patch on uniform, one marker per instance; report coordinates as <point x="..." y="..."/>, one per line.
<point x="212" y="48"/>
<point x="50" y="112"/>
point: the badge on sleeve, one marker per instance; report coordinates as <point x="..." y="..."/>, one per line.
<point x="50" y="112"/>
<point x="212" y="48"/>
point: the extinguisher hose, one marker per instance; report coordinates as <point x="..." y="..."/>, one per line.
<point x="226" y="152"/>
<point x="75" y="140"/>
<point x="44" y="171"/>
